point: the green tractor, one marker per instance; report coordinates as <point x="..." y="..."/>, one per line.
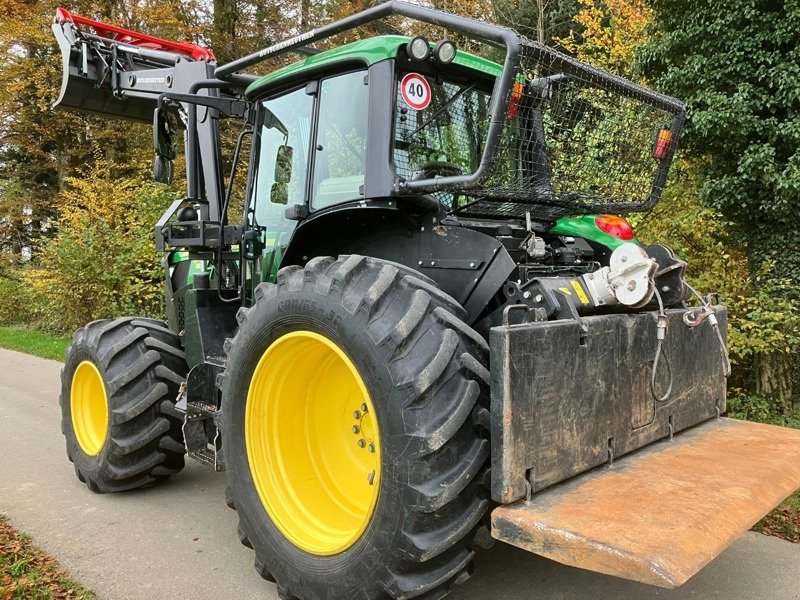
<point x="430" y="326"/>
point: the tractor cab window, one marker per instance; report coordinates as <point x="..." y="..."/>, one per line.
<point x="283" y="138"/>
<point x="440" y="125"/>
<point x="340" y="153"/>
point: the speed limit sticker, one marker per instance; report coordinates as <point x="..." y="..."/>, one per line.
<point x="416" y="91"/>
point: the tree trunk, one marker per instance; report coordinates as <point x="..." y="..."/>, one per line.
<point x="540" y="9"/>
<point x="223" y="34"/>
<point x="775" y="380"/>
<point x="774" y="259"/>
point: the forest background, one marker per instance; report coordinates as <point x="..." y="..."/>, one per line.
<point x="78" y="205"/>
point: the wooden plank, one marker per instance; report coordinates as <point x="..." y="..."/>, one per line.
<point x="661" y="514"/>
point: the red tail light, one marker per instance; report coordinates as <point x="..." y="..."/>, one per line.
<point x="619" y="227"/>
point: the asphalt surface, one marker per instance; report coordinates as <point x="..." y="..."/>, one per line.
<point x="178" y="540"/>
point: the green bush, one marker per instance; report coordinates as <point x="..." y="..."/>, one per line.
<point x="754" y="408"/>
<point x="14" y="301"/>
<point x="102" y="262"/>
<point x="764" y="321"/>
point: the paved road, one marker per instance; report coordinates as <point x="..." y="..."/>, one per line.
<point x="178" y="540"/>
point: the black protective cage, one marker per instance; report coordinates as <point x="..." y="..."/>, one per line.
<point x="560" y="134"/>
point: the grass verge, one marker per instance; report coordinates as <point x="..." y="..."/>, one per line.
<point x="34" y="342"/>
<point x="28" y="573"/>
<point x="784" y="521"/>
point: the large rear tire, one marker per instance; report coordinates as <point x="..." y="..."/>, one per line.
<point x="301" y="460"/>
<point x="118" y="390"/>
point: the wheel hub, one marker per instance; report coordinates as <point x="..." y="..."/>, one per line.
<point x="89" y="408"/>
<point x="313" y="443"/>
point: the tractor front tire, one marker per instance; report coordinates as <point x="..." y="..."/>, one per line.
<point x="118" y="389"/>
<point x="355" y="432"/>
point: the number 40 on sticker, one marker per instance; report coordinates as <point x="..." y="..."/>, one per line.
<point x="416" y="91"/>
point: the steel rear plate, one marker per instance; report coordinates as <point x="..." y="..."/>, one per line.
<point x="660" y="515"/>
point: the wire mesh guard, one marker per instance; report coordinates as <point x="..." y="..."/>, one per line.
<point x="575" y="139"/>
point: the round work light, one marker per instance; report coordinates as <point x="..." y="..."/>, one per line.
<point x="419" y="48"/>
<point x="445" y="51"/>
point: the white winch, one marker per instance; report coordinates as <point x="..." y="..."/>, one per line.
<point x="629" y="278"/>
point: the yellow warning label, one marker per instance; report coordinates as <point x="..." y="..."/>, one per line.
<point x="565" y="291"/>
<point x="580" y="293"/>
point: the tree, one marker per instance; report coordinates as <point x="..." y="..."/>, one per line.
<point x="545" y="21"/>
<point x="736" y="65"/>
<point x="608" y="33"/>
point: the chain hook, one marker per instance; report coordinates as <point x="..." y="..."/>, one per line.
<point x="695" y="318"/>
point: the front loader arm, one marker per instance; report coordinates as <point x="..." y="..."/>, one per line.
<point x="112" y="71"/>
<point x="108" y="70"/>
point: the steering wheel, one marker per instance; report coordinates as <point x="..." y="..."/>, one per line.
<point x="436" y="167"/>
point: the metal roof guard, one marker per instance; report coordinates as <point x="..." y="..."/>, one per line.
<point x="627" y="133"/>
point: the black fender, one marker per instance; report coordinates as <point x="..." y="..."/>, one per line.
<point x="470" y="266"/>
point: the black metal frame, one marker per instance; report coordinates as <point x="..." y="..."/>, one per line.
<point x="493" y="35"/>
<point x="164" y="73"/>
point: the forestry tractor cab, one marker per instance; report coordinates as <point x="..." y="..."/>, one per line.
<point x="429" y="327"/>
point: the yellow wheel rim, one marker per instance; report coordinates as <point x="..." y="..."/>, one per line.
<point x="89" y="408"/>
<point x="312" y="442"/>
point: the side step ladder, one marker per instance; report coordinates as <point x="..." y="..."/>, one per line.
<point x="661" y="514"/>
<point x="199" y="420"/>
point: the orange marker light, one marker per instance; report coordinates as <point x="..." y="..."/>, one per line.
<point x="662" y="143"/>
<point x="513" y="102"/>
<point x="619" y="227"/>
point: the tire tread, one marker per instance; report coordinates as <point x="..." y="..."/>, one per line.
<point x="145" y="441"/>
<point x="406" y="311"/>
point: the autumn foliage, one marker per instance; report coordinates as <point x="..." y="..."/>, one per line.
<point x="27" y="572"/>
<point x="77" y="206"/>
<point x="610" y="33"/>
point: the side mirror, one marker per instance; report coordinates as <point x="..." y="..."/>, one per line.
<point x="165" y="125"/>
<point x="283" y="164"/>
<point x="162" y="169"/>
<point x="279" y="194"/>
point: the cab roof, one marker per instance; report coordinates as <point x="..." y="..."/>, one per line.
<point x="369" y="51"/>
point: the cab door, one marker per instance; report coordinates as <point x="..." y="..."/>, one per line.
<point x="280" y="175"/>
<point x="341" y="140"/>
<point x="309" y="153"/>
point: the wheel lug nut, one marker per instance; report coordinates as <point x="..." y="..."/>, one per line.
<point x="371" y="448"/>
<point x="356" y="429"/>
<point x="361" y="443"/>
<point x="371" y="477"/>
<point x="364" y="407"/>
<point x="356" y="415"/>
